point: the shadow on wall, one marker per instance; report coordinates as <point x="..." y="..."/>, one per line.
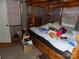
<point x="23" y="18"/>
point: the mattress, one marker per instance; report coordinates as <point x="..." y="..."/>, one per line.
<point x="60" y="46"/>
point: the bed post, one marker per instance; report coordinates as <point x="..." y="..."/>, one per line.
<point x="75" y="53"/>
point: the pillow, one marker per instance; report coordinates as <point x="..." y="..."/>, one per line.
<point x="45" y="26"/>
<point x="55" y="25"/>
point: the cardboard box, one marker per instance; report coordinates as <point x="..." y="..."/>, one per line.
<point x="0" y="57"/>
<point x="28" y="48"/>
<point x="27" y="44"/>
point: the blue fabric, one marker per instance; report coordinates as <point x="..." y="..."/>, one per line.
<point x="71" y="42"/>
<point x="43" y="30"/>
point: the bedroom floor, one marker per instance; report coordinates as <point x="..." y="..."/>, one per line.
<point x="16" y="52"/>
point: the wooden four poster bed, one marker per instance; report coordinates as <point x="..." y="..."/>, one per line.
<point x="44" y="45"/>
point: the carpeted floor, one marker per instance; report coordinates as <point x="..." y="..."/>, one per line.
<point x="16" y="52"/>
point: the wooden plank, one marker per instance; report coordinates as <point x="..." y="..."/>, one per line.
<point x="71" y="3"/>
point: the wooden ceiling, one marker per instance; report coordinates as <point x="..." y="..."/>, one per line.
<point x="54" y="3"/>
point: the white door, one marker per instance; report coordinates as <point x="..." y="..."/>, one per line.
<point x="4" y="27"/>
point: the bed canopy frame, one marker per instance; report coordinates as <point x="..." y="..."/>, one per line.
<point x="48" y="4"/>
<point x="52" y="4"/>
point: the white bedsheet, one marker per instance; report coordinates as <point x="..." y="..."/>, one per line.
<point x="56" y="42"/>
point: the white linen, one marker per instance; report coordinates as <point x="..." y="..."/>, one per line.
<point x="56" y="42"/>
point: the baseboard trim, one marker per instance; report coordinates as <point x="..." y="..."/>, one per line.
<point x="13" y="43"/>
